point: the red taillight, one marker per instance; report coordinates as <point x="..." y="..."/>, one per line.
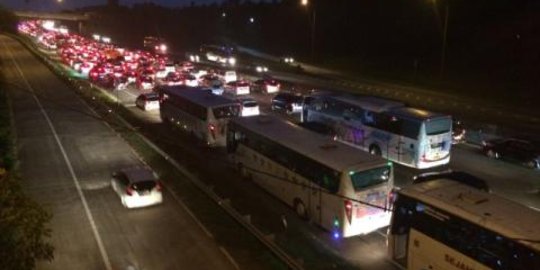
<point x="212" y="129"/>
<point x="348" y="210"/>
<point x="129" y="191"/>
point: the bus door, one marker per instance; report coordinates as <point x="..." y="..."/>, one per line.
<point x="408" y="149"/>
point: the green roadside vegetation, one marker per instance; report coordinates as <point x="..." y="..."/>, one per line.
<point x="24" y="230"/>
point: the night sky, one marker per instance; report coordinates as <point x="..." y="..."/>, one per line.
<point x="53" y="5"/>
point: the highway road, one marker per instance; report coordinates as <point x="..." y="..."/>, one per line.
<point x="66" y="159"/>
<point x="314" y="246"/>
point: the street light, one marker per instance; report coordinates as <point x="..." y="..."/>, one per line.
<point x="305" y="3"/>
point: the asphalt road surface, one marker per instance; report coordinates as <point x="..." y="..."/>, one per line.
<point x="67" y="157"/>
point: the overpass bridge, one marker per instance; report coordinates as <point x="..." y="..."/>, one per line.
<point x="80" y="18"/>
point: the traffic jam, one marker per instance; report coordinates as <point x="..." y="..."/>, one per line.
<point x="138" y="72"/>
<point x="159" y="86"/>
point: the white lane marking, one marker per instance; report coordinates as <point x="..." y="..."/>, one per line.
<point x="89" y="215"/>
<point x="231" y="259"/>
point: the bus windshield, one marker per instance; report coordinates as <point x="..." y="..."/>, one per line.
<point x="369" y="178"/>
<point x="226" y="111"/>
<point x="438" y="126"/>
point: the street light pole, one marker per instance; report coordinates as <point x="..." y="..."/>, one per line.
<point x="313" y="24"/>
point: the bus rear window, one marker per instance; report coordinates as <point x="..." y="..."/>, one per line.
<point x="438" y="126"/>
<point x="226" y="111"/>
<point x="369" y="178"/>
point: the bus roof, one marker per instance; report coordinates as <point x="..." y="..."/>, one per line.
<point x="323" y="149"/>
<point x="197" y="95"/>
<point x="416" y="113"/>
<point x="374" y="104"/>
<point x="495" y="213"/>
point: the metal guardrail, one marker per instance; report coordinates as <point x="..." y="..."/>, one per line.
<point x="245" y="221"/>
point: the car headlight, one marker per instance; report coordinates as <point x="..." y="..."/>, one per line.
<point x="232" y="61"/>
<point x="259" y="69"/>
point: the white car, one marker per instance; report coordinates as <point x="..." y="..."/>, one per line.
<point x="238" y="88"/>
<point x="230" y="76"/>
<point x="160" y="74"/>
<point x="148" y="101"/>
<point x="86" y="67"/>
<point x="137" y="187"/>
<point x="248" y="106"/>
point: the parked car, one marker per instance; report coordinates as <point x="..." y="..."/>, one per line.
<point x="148" y="101"/>
<point x="248" y="106"/>
<point x="266" y="86"/>
<point x="458" y="176"/>
<point x="137" y="187"/>
<point x="288" y="102"/>
<point x="514" y="150"/>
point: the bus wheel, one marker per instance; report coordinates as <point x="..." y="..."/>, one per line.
<point x="492" y="154"/>
<point x="300" y="209"/>
<point x="375" y="150"/>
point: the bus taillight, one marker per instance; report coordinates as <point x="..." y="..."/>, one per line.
<point x="348" y="210"/>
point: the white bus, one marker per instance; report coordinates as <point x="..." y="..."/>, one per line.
<point x="409" y="136"/>
<point x="197" y="111"/>
<point x="445" y="225"/>
<point x="343" y="190"/>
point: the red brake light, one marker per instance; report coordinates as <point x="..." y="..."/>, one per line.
<point x="348" y="210"/>
<point x="212" y="129"/>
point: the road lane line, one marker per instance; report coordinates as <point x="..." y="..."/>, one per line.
<point x="231" y="259"/>
<point x="89" y="215"/>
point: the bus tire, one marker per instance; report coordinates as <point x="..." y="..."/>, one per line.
<point x="375" y="150"/>
<point x="300" y="209"/>
<point x="492" y="154"/>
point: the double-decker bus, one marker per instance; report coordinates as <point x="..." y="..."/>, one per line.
<point x="219" y="54"/>
<point x="443" y="224"/>
<point x="338" y="187"/>
<point x="197" y="111"/>
<point x="409" y="136"/>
